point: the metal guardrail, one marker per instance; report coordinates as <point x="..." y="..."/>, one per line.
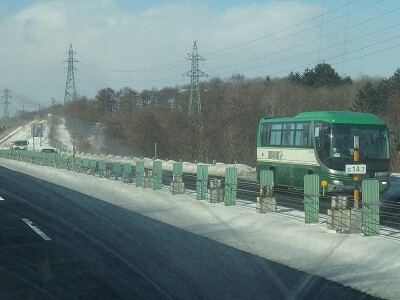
<point x="381" y="218"/>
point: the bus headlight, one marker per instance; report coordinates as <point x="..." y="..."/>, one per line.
<point x="337" y="182"/>
<point x="336" y="185"/>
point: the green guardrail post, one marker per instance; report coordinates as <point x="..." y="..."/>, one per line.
<point x="102" y="168"/>
<point x="311" y="198"/>
<point x="52" y="159"/>
<point x="45" y="158"/>
<point x="370" y="207"/>
<point x="157" y="175"/>
<point x="177" y="169"/>
<point x="127" y="172"/>
<point x="57" y="160"/>
<point x="177" y="185"/>
<point x="267" y="178"/>
<point x="139" y="172"/>
<point x="230" y="186"/>
<point x="201" y="182"/>
<point x="116" y="170"/>
<point x="64" y="161"/>
<point x="77" y="164"/>
<point x="266" y="202"/>
<point x="85" y="164"/>
<point x="92" y="166"/>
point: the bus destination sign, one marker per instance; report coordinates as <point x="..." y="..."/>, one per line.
<point x="356" y="169"/>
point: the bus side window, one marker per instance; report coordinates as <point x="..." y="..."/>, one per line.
<point x="264" y="135"/>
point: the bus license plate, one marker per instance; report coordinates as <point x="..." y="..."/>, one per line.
<point x="356" y="169"/>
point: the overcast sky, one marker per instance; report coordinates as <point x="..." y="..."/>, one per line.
<point x="144" y="44"/>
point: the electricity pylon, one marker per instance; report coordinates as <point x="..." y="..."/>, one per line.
<point x="70" y="91"/>
<point x="6" y="102"/>
<point x="194" y="99"/>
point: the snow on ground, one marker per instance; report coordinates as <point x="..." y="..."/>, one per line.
<point x="25" y="133"/>
<point x="63" y="135"/>
<point x="369" y="264"/>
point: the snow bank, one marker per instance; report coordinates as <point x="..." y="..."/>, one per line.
<point x="369" y="264"/>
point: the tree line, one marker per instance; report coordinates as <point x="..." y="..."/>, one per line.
<point x="129" y="122"/>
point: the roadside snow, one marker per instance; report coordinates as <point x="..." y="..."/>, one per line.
<point x="369" y="264"/>
<point x="63" y="135"/>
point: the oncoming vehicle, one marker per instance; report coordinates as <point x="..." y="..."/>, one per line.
<point x="48" y="150"/>
<point x="322" y="143"/>
<point x="21" y="145"/>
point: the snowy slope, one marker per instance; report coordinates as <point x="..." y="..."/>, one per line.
<point x="37" y="143"/>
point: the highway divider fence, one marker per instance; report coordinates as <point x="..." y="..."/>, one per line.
<point x="340" y="216"/>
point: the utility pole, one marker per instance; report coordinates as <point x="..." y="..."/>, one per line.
<point x="70" y="91"/>
<point x="6" y="102"/>
<point x="195" y="74"/>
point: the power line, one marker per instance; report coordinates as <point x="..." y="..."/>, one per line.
<point x="287" y="28"/>
<point x="339" y="62"/>
<point x="175" y="65"/>
<point x="293" y="34"/>
<point x="305" y="43"/>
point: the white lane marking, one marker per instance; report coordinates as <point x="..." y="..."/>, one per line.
<point x="1" y="198"/>
<point x="36" y="229"/>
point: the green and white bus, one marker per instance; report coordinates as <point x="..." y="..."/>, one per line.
<point x="322" y="143"/>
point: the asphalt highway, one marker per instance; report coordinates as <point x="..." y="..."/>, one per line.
<point x="56" y="243"/>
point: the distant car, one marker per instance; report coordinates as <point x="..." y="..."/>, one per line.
<point x="49" y="150"/>
<point x="21" y="145"/>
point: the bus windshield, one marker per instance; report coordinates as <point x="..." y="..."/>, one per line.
<point x="335" y="146"/>
<point x="373" y="141"/>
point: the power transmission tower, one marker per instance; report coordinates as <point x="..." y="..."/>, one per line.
<point x="70" y="91"/>
<point x="6" y="102"/>
<point x="195" y="74"/>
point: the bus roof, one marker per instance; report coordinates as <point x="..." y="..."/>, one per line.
<point x="338" y="117"/>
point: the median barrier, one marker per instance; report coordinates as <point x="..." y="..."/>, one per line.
<point x="116" y="172"/>
<point x="139" y="173"/>
<point x="339" y="217"/>
<point x="266" y="202"/>
<point x="127" y="173"/>
<point x="370" y="207"/>
<point x="230" y="189"/>
<point x="311" y="198"/>
<point x="177" y="185"/>
<point x="201" y="182"/>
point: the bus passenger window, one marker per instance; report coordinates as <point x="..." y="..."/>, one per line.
<point x="275" y="137"/>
